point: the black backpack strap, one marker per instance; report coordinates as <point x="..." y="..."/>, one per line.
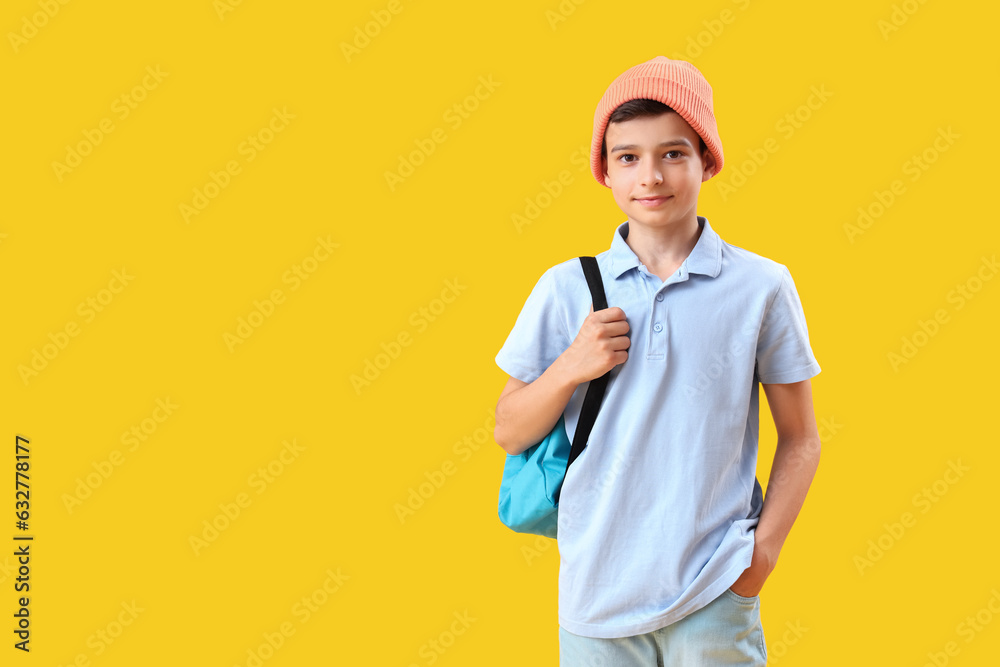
<point x="594" y="282"/>
<point x="595" y="392"/>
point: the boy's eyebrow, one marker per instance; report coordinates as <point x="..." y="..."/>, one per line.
<point x="680" y="141"/>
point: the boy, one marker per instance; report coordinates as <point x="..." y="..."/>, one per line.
<point x="664" y="537"/>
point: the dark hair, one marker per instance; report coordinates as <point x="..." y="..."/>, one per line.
<point x="640" y="108"/>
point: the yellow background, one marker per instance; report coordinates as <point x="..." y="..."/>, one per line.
<point x="891" y="430"/>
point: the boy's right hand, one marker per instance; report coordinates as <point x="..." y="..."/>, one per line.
<point x="600" y="346"/>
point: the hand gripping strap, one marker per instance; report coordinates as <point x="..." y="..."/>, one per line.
<point x="595" y="392"/>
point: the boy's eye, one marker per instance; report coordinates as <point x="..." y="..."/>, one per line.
<point x="629" y="158"/>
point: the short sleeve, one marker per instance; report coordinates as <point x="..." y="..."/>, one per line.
<point x="539" y="335"/>
<point x="783" y="351"/>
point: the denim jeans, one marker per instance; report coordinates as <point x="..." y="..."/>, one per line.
<point x="726" y="631"/>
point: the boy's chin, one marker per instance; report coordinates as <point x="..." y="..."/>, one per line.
<point x="661" y="221"/>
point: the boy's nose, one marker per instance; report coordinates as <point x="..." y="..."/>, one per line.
<point x="651" y="174"/>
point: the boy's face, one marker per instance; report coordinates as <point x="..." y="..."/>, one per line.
<point x="654" y="169"/>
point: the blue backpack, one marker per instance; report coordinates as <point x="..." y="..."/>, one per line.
<point x="532" y="480"/>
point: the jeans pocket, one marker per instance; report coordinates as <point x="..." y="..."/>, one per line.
<point x="745" y="617"/>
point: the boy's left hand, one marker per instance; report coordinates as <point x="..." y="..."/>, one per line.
<point x="762" y="564"/>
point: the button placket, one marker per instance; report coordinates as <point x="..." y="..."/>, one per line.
<point x="657" y="349"/>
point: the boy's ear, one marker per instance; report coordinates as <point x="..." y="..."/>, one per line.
<point x="604" y="168"/>
<point x="708" y="164"/>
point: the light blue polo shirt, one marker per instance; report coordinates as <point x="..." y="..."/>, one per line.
<point x="657" y="516"/>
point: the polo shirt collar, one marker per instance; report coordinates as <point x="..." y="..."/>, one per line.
<point x="705" y="257"/>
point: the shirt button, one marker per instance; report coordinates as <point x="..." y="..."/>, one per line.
<point x="659" y="297"/>
<point x="657" y="327"/>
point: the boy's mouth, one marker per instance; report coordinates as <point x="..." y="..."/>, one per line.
<point x="652" y="201"/>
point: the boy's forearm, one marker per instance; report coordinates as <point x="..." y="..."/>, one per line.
<point x="527" y="415"/>
<point x="795" y="464"/>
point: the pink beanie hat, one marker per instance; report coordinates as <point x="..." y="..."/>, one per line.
<point x="676" y="83"/>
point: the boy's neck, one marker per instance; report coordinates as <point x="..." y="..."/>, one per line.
<point x="663" y="249"/>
